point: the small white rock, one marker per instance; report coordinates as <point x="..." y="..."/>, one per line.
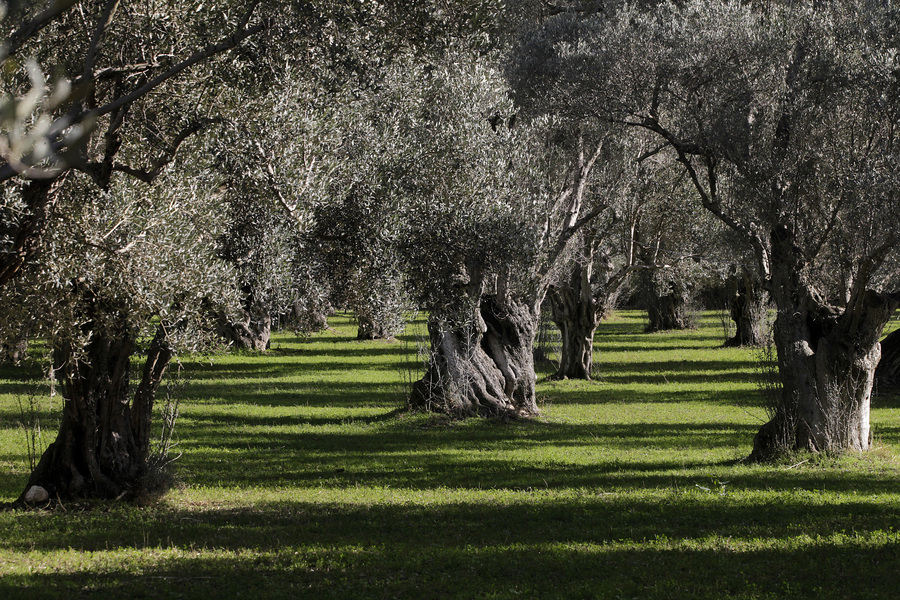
<point x="36" y="494"/>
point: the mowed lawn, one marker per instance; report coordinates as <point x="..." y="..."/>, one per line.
<point x="300" y="477"/>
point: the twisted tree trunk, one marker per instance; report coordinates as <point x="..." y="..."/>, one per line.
<point x="747" y="305"/>
<point x="667" y="312"/>
<point x="826" y="360"/>
<point x="483" y="366"/>
<point x="577" y="320"/>
<point x="577" y="312"/>
<point x="253" y="331"/>
<point x="103" y="442"/>
<point x="369" y="329"/>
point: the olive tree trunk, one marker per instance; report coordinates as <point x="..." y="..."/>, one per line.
<point x="747" y="305"/>
<point x="103" y="442"/>
<point x="577" y="319"/>
<point x="481" y="367"/>
<point x="667" y="312"/>
<point x="377" y="324"/>
<point x="252" y="331"/>
<point x="577" y="310"/>
<point x="826" y="363"/>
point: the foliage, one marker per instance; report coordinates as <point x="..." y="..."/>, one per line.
<point x="141" y="253"/>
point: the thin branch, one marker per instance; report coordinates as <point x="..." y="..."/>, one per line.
<point x="30" y="29"/>
<point x="211" y="50"/>
<point x="8" y="171"/>
<point x="167" y="156"/>
<point x="106" y="18"/>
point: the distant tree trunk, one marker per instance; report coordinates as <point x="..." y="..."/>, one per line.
<point x="253" y="330"/>
<point x="747" y="303"/>
<point x="484" y="366"/>
<point x="577" y="320"/>
<point x="666" y="311"/>
<point x="577" y="313"/>
<point x="826" y="360"/>
<point x="103" y="442"/>
<point x="14" y="350"/>
<point x="889" y="366"/>
<point x="370" y="327"/>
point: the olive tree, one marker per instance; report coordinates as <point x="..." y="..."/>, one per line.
<point x="131" y="271"/>
<point x="490" y="206"/>
<point x="94" y="120"/>
<point x="784" y="119"/>
<point x="643" y="228"/>
<point x="116" y="119"/>
<point x="610" y="251"/>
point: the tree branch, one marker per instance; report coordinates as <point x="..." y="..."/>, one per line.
<point x="167" y="156"/>
<point x="28" y="30"/>
<point x="105" y="21"/>
<point x="8" y="171"/>
<point x="211" y="50"/>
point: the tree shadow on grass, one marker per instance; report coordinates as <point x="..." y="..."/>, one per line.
<point x="549" y="456"/>
<point x="662" y="547"/>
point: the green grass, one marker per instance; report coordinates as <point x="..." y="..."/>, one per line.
<point x="300" y="479"/>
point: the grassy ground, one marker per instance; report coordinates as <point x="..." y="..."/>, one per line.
<point x="299" y="479"/>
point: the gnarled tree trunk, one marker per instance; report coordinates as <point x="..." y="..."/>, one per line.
<point x="369" y="329"/>
<point x="376" y="325"/>
<point x="747" y="304"/>
<point x="252" y="331"/>
<point x="667" y="312"/>
<point x="577" y="319"/>
<point x="577" y="312"/>
<point x="103" y="442"/>
<point x="484" y="366"/>
<point x="826" y="361"/>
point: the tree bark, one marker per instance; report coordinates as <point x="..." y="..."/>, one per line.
<point x="253" y="331"/>
<point x="888" y="369"/>
<point x="826" y="360"/>
<point x="666" y="312"/>
<point x="747" y="304"/>
<point x="577" y="314"/>
<point x="369" y="328"/>
<point x="103" y="442"/>
<point x="482" y="367"/>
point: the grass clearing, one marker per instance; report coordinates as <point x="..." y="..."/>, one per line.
<point x="301" y="479"/>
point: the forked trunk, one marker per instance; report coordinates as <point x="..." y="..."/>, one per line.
<point x="103" y="442"/>
<point x="482" y="367"/>
<point x="577" y="316"/>
<point x="826" y="361"/>
<point x="748" y="311"/>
